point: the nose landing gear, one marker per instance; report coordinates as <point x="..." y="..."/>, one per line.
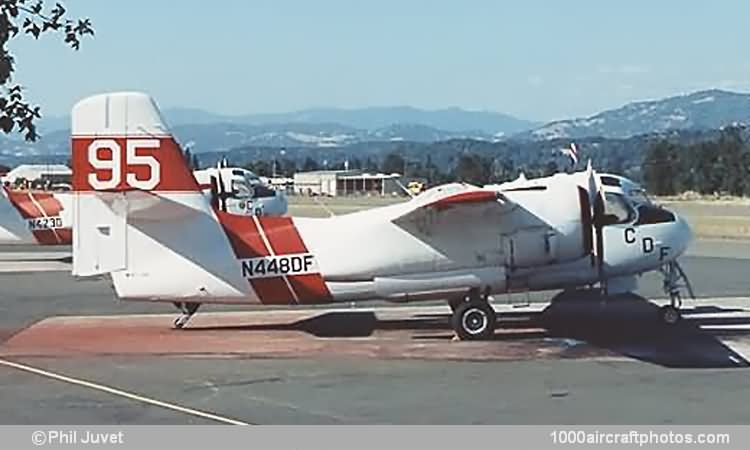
<point x="675" y="280"/>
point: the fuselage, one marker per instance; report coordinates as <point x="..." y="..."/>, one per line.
<point x="541" y="240"/>
<point x="142" y="217"/>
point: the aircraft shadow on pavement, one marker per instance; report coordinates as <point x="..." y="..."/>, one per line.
<point x="628" y="325"/>
<point x="344" y="324"/>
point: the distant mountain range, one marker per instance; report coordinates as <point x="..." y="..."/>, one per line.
<point x="327" y="128"/>
<point x="372" y="118"/>
<point x="704" y="110"/>
<point x="223" y="136"/>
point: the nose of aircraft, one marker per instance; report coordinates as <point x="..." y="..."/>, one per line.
<point x="680" y="235"/>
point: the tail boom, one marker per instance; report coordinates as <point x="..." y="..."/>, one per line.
<point x="141" y="216"/>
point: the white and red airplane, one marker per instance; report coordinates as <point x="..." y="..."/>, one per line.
<point x="35" y="217"/>
<point x="138" y="209"/>
<point x="240" y="191"/>
<point x="45" y="217"/>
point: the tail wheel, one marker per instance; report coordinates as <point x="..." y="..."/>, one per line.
<point x="474" y="320"/>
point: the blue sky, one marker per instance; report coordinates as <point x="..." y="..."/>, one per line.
<point x="540" y="60"/>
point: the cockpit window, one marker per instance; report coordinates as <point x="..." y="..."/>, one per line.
<point x="263" y="191"/>
<point x="241" y="189"/>
<point x="610" y="181"/>
<point x="617" y="209"/>
<point x="650" y="214"/>
<point x="639" y="197"/>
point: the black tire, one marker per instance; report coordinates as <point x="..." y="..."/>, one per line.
<point x="474" y="320"/>
<point x="669" y="315"/>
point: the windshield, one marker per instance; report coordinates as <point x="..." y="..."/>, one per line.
<point x="617" y="209"/>
<point x="639" y="197"/>
<point x="251" y="177"/>
<point x="241" y="189"/>
<point x="262" y="191"/>
<point x="651" y="214"/>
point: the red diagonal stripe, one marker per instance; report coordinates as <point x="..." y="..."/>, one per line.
<point x="310" y="288"/>
<point x="24" y="205"/>
<point x="48" y="202"/>
<point x="243" y="234"/>
<point x="65" y="235"/>
<point x="272" y="291"/>
<point x="282" y="235"/>
<point x="48" y="237"/>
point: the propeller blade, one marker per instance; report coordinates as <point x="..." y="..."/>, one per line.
<point x="596" y="197"/>
<point x="222" y="194"/>
<point x="214" y="193"/>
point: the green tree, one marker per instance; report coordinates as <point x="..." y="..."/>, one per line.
<point x="431" y="171"/>
<point x="30" y="17"/>
<point x="503" y="169"/>
<point x="393" y="163"/>
<point x="660" y="168"/>
<point x="731" y="149"/>
<point x="309" y="165"/>
<point x="472" y="168"/>
<point x="189" y="159"/>
<point x="550" y="168"/>
<point x="286" y="167"/>
<point x="370" y="165"/>
<point x="260" y="168"/>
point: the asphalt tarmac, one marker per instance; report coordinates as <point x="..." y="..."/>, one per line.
<point x="71" y="354"/>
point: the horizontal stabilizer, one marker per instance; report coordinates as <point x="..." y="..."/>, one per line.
<point x="146" y="206"/>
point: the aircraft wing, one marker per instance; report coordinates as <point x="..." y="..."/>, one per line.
<point x="455" y="207"/>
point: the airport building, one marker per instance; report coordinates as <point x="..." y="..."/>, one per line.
<point x="332" y="183"/>
<point x="285" y="184"/>
<point x="54" y="173"/>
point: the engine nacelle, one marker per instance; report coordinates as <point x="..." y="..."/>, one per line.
<point x="527" y="238"/>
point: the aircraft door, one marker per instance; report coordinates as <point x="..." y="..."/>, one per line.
<point x="529" y="247"/>
<point x="613" y="223"/>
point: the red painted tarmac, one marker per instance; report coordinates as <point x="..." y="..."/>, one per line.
<point x="391" y="333"/>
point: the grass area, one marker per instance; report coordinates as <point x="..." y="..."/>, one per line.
<point x="303" y="206"/>
<point x="715" y="219"/>
<point x="710" y="219"/>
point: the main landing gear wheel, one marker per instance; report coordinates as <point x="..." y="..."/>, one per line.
<point x="474" y="320"/>
<point x="188" y="310"/>
<point x="669" y="314"/>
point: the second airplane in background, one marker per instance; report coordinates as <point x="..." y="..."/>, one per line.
<point x="45" y="217"/>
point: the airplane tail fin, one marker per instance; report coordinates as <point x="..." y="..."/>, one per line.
<point x="139" y="213"/>
<point x="13" y="227"/>
<point x="34" y="217"/>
